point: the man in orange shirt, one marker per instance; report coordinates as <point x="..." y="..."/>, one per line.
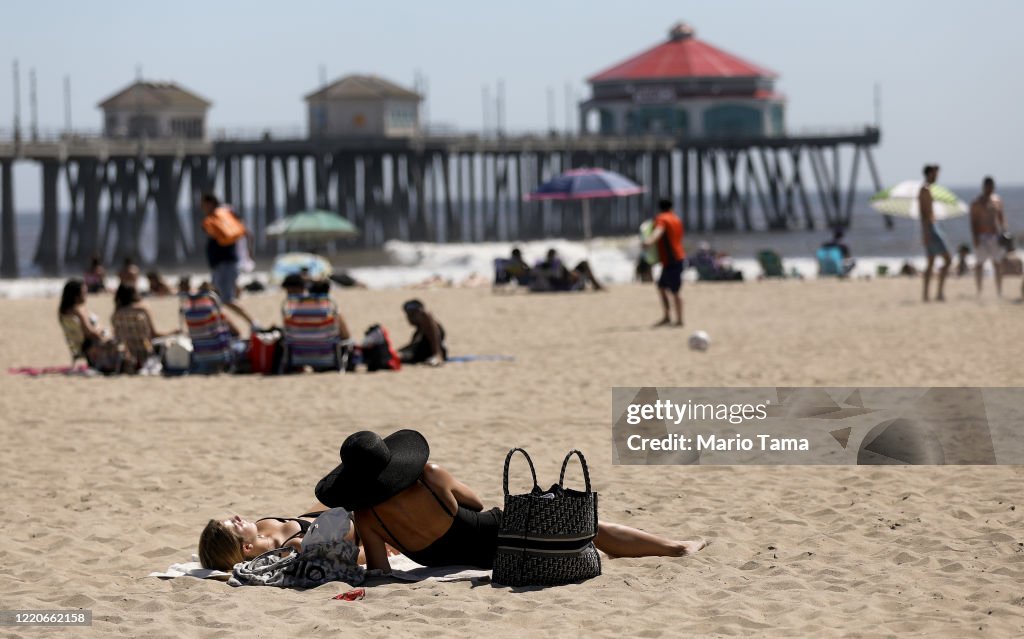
<point x="668" y="237"/>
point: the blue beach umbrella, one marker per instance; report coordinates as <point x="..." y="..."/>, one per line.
<point x="586" y="185"/>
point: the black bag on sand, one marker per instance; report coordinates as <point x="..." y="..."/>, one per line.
<point x="546" y="538"/>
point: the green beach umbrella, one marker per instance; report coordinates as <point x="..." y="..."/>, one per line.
<point x="312" y="226"/>
<point x="901" y="201"/>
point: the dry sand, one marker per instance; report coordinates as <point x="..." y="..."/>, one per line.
<point x="105" y="480"/>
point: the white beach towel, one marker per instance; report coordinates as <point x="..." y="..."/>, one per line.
<point x="402" y="569"/>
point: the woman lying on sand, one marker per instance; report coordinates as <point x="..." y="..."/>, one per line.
<point x="226" y="542"/>
<point x="399" y="499"/>
<point x="402" y="502"/>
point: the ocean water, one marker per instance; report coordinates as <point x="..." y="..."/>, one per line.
<point x="613" y="259"/>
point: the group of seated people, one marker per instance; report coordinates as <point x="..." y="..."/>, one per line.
<point x="127" y="348"/>
<point x="134" y="340"/>
<point x="547" y="275"/>
<point x="95" y="278"/>
<point x="713" y="266"/>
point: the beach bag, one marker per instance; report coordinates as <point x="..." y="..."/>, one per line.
<point x="377" y="350"/>
<point x="263" y="346"/>
<point x="325" y="555"/>
<point x="177" y="355"/>
<point x="223" y="226"/>
<point x="546" y="538"/>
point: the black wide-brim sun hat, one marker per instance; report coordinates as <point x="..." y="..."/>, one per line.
<point x="373" y="469"/>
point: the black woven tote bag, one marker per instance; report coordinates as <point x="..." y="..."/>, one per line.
<point x="546" y="538"/>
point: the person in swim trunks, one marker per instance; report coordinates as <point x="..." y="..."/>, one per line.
<point x="934" y="241"/>
<point x="988" y="223"/>
<point x="668" y="237"/>
<point x="400" y="499"/>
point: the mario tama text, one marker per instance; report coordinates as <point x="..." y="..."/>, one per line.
<point x="717" y="443"/>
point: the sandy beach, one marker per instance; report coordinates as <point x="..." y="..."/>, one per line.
<point x="107" y="479"/>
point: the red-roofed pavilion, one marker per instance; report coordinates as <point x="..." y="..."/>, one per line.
<point x="686" y="87"/>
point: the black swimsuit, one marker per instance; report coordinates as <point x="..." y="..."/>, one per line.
<point x="303" y="524"/>
<point x="472" y="539"/>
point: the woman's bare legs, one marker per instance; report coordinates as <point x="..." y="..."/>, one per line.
<point x="617" y="540"/>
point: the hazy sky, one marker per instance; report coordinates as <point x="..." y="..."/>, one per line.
<point x="948" y="70"/>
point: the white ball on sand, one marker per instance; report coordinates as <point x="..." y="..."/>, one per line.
<point x="699" y="341"/>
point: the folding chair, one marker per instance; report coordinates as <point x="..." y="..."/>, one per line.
<point x="210" y="335"/>
<point x="131" y="328"/>
<point x="74" y="336"/>
<point x="830" y="261"/>
<point x="311" y="335"/>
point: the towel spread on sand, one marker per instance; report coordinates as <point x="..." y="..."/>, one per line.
<point x="402" y="569"/>
<point x="36" y="371"/>
<point x="462" y="359"/>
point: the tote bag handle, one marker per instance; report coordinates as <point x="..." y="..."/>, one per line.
<point x="508" y="460"/>
<point x="565" y="463"/>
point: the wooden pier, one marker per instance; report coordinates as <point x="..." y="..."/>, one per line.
<point x="429" y="189"/>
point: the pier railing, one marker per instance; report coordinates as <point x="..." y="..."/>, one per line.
<point x="444" y="186"/>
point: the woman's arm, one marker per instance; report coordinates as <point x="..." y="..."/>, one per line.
<point x="373" y="546"/>
<point x="463" y="494"/>
<point x="90" y="331"/>
<point x="342" y="326"/>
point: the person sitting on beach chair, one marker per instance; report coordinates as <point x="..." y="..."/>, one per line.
<point x="85" y="338"/>
<point x="214" y="335"/>
<point x="551" y="275"/>
<point x="427" y="345"/>
<point x="315" y="333"/>
<point x="712" y="266"/>
<point x="398" y="499"/>
<point x="95" y="276"/>
<point x="133" y="324"/>
<point x="771" y="265"/>
<point x="834" y="257"/>
<point x="514" y="269"/>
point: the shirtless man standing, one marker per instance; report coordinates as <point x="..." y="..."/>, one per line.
<point x="987" y="225"/>
<point x="934" y="241"/>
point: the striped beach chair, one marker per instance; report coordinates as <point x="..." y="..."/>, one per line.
<point x="211" y="338"/>
<point x="311" y="335"/>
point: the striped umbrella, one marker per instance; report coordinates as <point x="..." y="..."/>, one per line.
<point x="901" y="200"/>
<point x="288" y="263"/>
<point x="586" y="185"/>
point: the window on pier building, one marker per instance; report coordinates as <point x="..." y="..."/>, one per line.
<point x="662" y="120"/>
<point x="142" y="125"/>
<point x="401" y="117"/>
<point x="778" y="120"/>
<point x="732" y="120"/>
<point x="187" y="128"/>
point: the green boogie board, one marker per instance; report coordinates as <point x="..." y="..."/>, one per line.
<point x="650" y="253"/>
